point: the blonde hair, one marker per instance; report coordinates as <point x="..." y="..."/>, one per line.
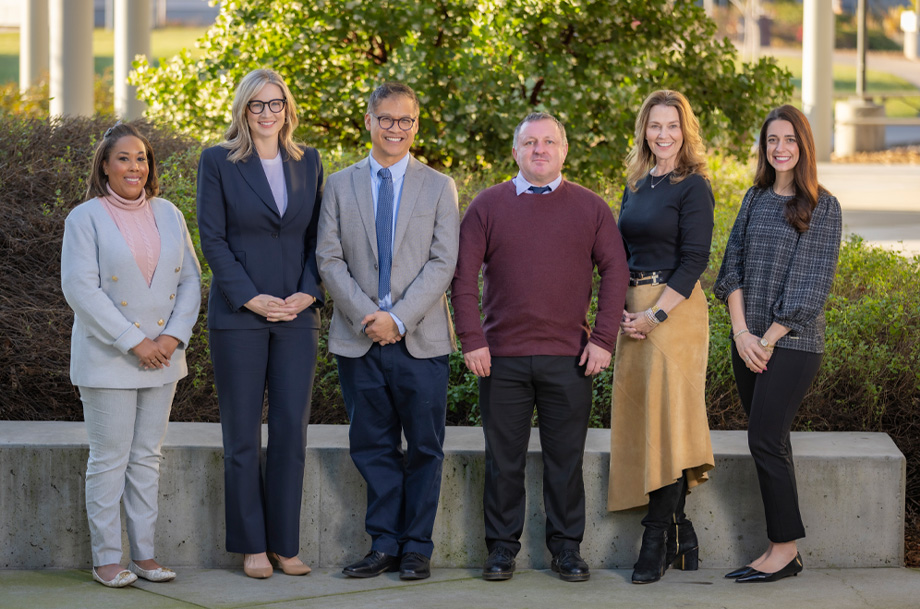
<point x="691" y="156"/>
<point x="238" y="138"/>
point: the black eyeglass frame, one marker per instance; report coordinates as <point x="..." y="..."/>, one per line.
<point x="386" y="122"/>
<point x="258" y="103"/>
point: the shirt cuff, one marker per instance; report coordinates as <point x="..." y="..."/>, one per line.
<point x="399" y="324"/>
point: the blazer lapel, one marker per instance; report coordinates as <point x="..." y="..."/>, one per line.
<point x="294" y="182"/>
<point x="412" y="184"/>
<point x="252" y="172"/>
<point x="361" y="181"/>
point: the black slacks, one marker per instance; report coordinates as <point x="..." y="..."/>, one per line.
<point x="561" y="392"/>
<point x="263" y="512"/>
<point x="771" y="400"/>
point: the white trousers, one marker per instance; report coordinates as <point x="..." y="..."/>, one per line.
<point x="126" y="428"/>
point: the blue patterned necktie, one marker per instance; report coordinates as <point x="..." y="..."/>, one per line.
<point x="384" y="225"/>
<point x="539" y="190"/>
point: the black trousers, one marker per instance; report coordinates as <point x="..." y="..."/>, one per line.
<point x="771" y="399"/>
<point x="263" y="510"/>
<point x="561" y="392"/>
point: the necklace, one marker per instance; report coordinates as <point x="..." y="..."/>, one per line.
<point x="652" y="181"/>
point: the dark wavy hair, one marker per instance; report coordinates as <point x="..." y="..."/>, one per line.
<point x="805" y="173"/>
<point x="98" y="179"/>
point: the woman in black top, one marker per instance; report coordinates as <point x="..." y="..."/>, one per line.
<point x="778" y="269"/>
<point x="660" y="445"/>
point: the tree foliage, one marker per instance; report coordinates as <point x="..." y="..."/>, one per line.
<point x="479" y="66"/>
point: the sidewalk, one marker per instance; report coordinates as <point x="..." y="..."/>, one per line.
<point x="893" y="588"/>
<point x="880" y="203"/>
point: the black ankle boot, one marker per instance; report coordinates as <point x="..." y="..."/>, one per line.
<point x="651" y="564"/>
<point x="683" y="548"/>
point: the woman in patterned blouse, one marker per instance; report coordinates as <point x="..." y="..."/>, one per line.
<point x="778" y="269"/>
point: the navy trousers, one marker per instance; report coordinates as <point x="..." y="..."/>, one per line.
<point x="263" y="513"/>
<point x="387" y="393"/>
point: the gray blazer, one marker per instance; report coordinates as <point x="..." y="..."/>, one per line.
<point x="114" y="309"/>
<point x="424" y="256"/>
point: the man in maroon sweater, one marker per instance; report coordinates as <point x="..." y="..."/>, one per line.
<point x="537" y="239"/>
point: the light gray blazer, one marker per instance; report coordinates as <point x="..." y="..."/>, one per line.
<point x="424" y="257"/>
<point x="114" y="309"/>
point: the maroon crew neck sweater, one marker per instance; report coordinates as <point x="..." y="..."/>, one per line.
<point x="537" y="254"/>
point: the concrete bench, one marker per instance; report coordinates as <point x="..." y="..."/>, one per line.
<point x="851" y="487"/>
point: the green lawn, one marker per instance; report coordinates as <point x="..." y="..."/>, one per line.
<point x="164" y="43"/>
<point x="876" y="82"/>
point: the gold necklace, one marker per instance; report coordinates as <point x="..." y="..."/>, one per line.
<point x="652" y="181"/>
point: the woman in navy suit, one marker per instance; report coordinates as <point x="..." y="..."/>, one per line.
<point x="259" y="197"/>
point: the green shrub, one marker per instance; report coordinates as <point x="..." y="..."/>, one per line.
<point x="479" y="66"/>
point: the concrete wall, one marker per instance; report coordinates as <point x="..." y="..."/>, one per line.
<point x="851" y="487"/>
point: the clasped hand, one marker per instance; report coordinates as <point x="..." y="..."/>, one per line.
<point x="274" y="309"/>
<point x="636" y="325"/>
<point x="155" y="353"/>
<point x="381" y="328"/>
<point x="752" y="352"/>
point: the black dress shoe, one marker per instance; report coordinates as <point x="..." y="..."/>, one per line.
<point x="794" y="567"/>
<point x="570" y="566"/>
<point x="499" y="565"/>
<point x="372" y="565"/>
<point x="739" y="572"/>
<point x="414" y="566"/>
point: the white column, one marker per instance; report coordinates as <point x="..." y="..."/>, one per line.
<point x="33" y="42"/>
<point x="132" y="37"/>
<point x="818" y="72"/>
<point x="71" y="86"/>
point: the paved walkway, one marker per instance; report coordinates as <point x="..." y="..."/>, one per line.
<point x="464" y="589"/>
<point x="881" y="203"/>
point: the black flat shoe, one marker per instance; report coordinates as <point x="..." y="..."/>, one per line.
<point x="499" y="565"/>
<point x="372" y="565"/>
<point x="739" y="572"/>
<point x="570" y="566"/>
<point x="414" y="566"/>
<point x="793" y="568"/>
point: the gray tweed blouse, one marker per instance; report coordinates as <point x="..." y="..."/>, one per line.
<point x="786" y="275"/>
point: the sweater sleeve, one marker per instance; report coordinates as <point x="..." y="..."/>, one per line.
<point x="812" y="268"/>
<point x="731" y="273"/>
<point x="695" y="222"/>
<point x="464" y="291"/>
<point x="609" y="256"/>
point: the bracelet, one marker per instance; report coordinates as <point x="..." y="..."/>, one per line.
<point x="651" y="317"/>
<point x="739" y="333"/>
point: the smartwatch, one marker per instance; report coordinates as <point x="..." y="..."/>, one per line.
<point x="659" y="314"/>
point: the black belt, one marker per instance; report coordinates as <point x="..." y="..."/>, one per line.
<point x="649" y="277"/>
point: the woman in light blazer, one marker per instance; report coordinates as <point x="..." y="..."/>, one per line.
<point x="259" y="197"/>
<point x="129" y="272"/>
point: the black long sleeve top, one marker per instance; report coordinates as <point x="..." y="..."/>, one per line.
<point x="669" y="228"/>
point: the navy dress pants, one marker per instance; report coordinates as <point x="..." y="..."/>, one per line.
<point x="263" y="511"/>
<point x="389" y="392"/>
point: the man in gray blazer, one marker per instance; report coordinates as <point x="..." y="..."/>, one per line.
<point x="388" y="240"/>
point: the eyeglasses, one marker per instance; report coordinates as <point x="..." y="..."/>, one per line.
<point x="386" y="122"/>
<point x="275" y="105"/>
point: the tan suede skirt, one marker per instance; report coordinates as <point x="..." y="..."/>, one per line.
<point x="658" y="424"/>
